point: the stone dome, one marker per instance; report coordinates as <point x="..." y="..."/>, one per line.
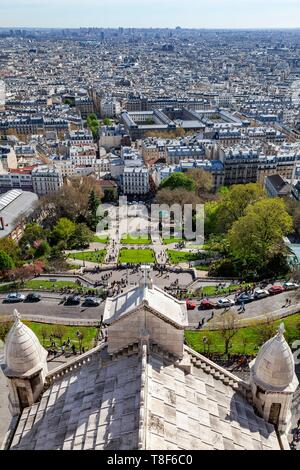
<point x="274" y="366"/>
<point x="23" y="351"/>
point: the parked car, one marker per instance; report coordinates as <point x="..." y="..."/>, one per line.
<point x="207" y="304"/>
<point x="191" y="304"/>
<point x="91" y="301"/>
<point x="14" y="297"/>
<point x="33" y="297"/>
<point x="276" y="290"/>
<point x="244" y="298"/>
<point x="260" y="293"/>
<point x="290" y="285"/>
<point x="73" y="300"/>
<point x="225" y="303"/>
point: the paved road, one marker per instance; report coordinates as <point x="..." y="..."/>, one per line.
<point x="256" y="308"/>
<point x="51" y="307"/>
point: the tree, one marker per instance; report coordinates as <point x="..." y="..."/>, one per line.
<point x="11" y="248"/>
<point x="63" y="230"/>
<point x="110" y="195"/>
<point x="93" y="205"/>
<point x="44" y="334"/>
<point x="293" y="208"/>
<point x="80" y="336"/>
<point x="6" y="262"/>
<point x="228" y="327"/>
<point x="176" y="196"/>
<point x="179" y="180"/>
<point x="43" y="249"/>
<point x="106" y="121"/>
<point x="32" y="233"/>
<point x="59" y="332"/>
<point x="81" y="237"/>
<point x="93" y="124"/>
<point x="257" y="237"/>
<point x="70" y="201"/>
<point x="5" y="326"/>
<point x="265" y="329"/>
<point x="203" y="180"/>
<point x="234" y="203"/>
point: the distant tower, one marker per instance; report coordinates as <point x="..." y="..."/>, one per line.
<point x="273" y="381"/>
<point x="26" y="366"/>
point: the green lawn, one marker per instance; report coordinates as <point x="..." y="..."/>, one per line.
<point x="136" y="256"/>
<point x="37" y="284"/>
<point x="202" y="267"/>
<point x="168" y="241"/>
<point x="68" y="332"/>
<point x="246" y="339"/>
<point x="48" y="285"/>
<point x="96" y="256"/>
<point x="132" y="240"/>
<point x="213" y="290"/>
<point x="100" y="239"/>
<point x="182" y="256"/>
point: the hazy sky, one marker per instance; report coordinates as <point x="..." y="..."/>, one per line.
<point x="151" y="13"/>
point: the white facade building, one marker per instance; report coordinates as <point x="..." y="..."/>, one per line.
<point x="136" y="180"/>
<point x="110" y="108"/>
<point x="46" y="179"/>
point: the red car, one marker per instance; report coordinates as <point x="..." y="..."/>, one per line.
<point x="191" y="305"/>
<point x="276" y="290"/>
<point x="207" y="304"/>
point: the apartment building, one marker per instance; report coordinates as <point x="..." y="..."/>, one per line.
<point x="135" y="181"/>
<point x="46" y="179"/>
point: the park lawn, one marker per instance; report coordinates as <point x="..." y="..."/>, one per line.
<point x="168" y="241"/>
<point x="127" y="255"/>
<point x="213" y="290"/>
<point x="43" y="284"/>
<point x="203" y="267"/>
<point x="132" y="240"/>
<point x="96" y="256"/>
<point x="100" y="239"/>
<point x="68" y="331"/>
<point x="246" y="339"/>
<point x="182" y="256"/>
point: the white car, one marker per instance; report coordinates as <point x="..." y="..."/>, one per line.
<point x="15" y="297"/>
<point x="225" y="303"/>
<point x="290" y="285"/>
<point x="260" y="293"/>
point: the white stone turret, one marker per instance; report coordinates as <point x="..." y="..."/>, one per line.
<point x="26" y="365"/>
<point x="273" y="380"/>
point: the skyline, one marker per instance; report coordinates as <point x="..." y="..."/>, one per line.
<point x="200" y="14"/>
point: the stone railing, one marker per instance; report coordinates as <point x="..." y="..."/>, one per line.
<point x="58" y="320"/>
<point x="72" y="366"/>
<point x="220" y="373"/>
<point x="263" y="318"/>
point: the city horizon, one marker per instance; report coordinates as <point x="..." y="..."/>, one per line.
<point x="193" y="14"/>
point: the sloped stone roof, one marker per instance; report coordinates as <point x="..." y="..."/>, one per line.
<point x="143" y="398"/>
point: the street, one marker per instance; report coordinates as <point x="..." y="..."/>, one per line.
<point x="52" y="307"/>
<point x="256" y="308"/>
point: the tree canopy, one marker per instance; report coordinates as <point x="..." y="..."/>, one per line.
<point x="179" y="180"/>
<point x="257" y="236"/>
<point x="6" y="262"/>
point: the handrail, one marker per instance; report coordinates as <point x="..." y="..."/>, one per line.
<point x="77" y="362"/>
